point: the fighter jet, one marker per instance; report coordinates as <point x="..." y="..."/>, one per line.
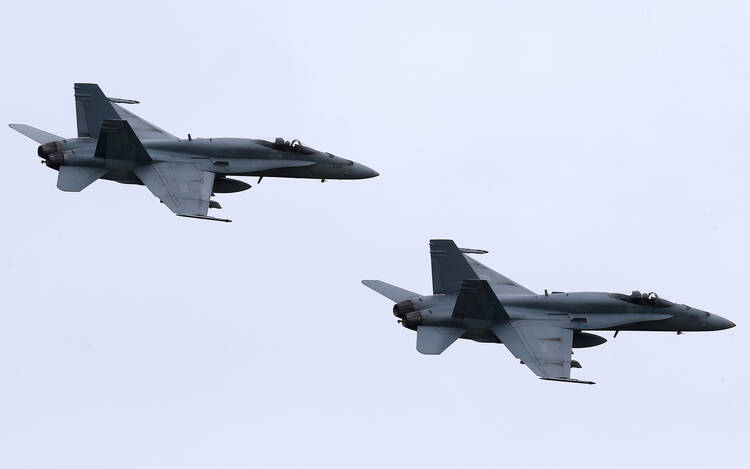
<point x="115" y="144"/>
<point x="471" y="301"/>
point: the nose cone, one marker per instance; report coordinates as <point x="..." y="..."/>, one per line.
<point x="360" y="171"/>
<point x="717" y="323"/>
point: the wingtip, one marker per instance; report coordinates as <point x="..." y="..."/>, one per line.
<point x="204" y="217"/>
<point x="568" y="380"/>
<point x="473" y="251"/>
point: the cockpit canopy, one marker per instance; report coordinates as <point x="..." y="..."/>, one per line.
<point x="293" y="146"/>
<point x="644" y="299"/>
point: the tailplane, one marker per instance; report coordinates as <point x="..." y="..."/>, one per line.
<point x="77" y="178"/>
<point x="37" y="135"/>
<point x="389" y="291"/>
<point x="433" y="340"/>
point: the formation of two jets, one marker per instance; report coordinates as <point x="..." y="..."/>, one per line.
<point x="469" y="300"/>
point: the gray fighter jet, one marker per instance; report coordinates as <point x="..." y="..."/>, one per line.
<point x="471" y="301"/>
<point x="115" y="144"/>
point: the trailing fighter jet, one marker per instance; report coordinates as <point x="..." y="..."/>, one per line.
<point x="115" y="144"/>
<point x="471" y="301"/>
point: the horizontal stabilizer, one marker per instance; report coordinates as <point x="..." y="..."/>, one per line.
<point x="449" y="267"/>
<point x="476" y="300"/>
<point x="432" y="340"/>
<point x="77" y="178"/>
<point x="118" y="141"/>
<point x="389" y="291"/>
<point x="37" y="135"/>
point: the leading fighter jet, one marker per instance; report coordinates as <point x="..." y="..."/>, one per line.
<point x="115" y="144"/>
<point x="471" y="301"/>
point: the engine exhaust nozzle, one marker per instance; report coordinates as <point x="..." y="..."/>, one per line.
<point x="403" y="307"/>
<point x="45" y="150"/>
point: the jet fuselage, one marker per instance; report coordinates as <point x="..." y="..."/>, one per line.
<point x="579" y="311"/>
<point x="222" y="156"/>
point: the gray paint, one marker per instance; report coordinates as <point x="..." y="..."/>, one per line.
<point x="117" y="145"/>
<point x="471" y="301"/>
<point x="632" y="116"/>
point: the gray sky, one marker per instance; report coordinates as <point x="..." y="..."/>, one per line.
<point x="588" y="147"/>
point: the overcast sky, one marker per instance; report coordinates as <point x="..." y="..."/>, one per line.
<point x="587" y="147"/>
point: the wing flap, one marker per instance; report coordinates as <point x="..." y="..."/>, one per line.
<point x="433" y="340"/>
<point x="184" y="188"/>
<point x="544" y="348"/>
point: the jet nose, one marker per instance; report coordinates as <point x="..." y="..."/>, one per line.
<point x="718" y="323"/>
<point x="360" y="171"/>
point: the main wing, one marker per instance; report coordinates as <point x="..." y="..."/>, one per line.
<point x="183" y="187"/>
<point x="451" y="265"/>
<point x="500" y="284"/>
<point x="543" y="347"/>
<point x="144" y="129"/>
<point x="92" y="107"/>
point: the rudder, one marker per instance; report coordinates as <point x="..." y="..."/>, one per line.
<point x="449" y="267"/>
<point x="92" y="107"/>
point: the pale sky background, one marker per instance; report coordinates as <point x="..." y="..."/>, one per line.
<point x="586" y="146"/>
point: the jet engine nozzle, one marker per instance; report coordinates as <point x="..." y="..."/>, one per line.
<point x="55" y="160"/>
<point x="403" y="307"/>
<point x="45" y="150"/>
<point x="412" y="319"/>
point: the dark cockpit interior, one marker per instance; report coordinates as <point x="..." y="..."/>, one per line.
<point x="644" y="299"/>
<point x="293" y="146"/>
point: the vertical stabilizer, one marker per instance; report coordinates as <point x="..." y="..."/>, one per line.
<point x="92" y="107"/>
<point x="449" y="267"/>
<point x="433" y="340"/>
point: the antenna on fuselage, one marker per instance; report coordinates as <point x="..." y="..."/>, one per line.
<point x="190" y="138"/>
